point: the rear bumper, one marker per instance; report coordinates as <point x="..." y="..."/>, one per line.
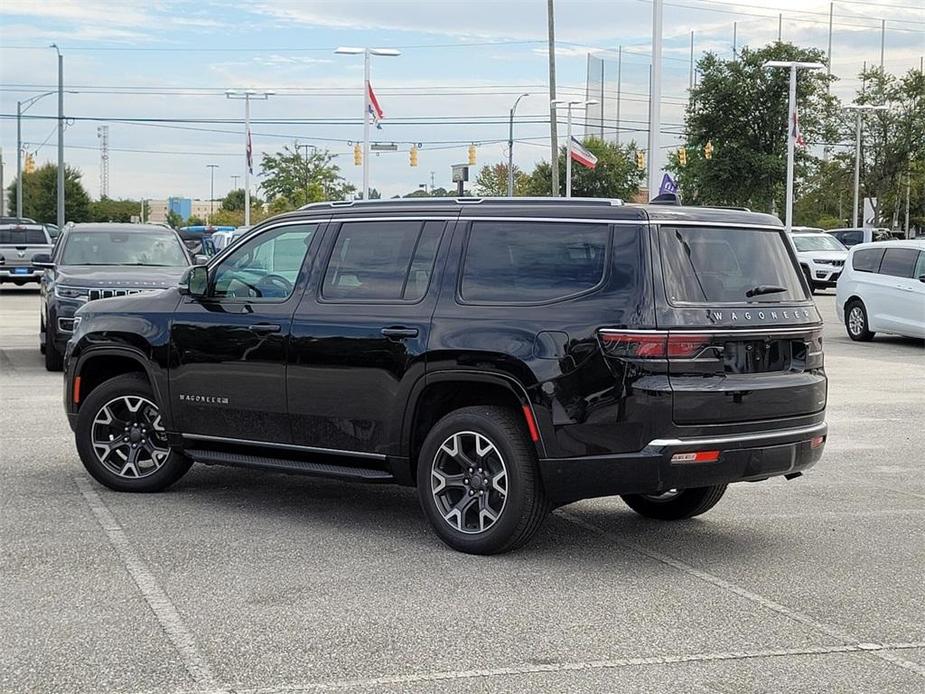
<point x="743" y="458"/>
<point x="31" y="275"/>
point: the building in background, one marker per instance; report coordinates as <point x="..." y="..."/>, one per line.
<point x="184" y="207"/>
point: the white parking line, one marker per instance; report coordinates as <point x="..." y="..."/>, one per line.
<point x="801" y="617"/>
<point x="154" y="595"/>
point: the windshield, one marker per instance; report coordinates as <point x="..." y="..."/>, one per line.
<point x="709" y="265"/>
<point x="123" y="248"/>
<point x="812" y="242"/>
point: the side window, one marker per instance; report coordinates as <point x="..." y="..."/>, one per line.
<point x="382" y="261"/>
<point x="851" y="238"/>
<point x="899" y="262"/>
<point x="867" y="260"/>
<point x="266" y="267"/>
<point x="920" y="266"/>
<point x="528" y="262"/>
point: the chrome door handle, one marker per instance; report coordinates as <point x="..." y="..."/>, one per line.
<point x="265" y="328"/>
<point x="399" y="333"/>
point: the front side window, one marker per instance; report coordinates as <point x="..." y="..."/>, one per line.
<point x="899" y="262"/>
<point x="867" y="260"/>
<point x="157" y="249"/>
<point x="531" y="262"/>
<point x="710" y="265"/>
<point x="266" y="267"/>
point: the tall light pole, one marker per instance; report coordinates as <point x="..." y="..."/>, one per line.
<point x="655" y="99"/>
<point x="367" y="53"/>
<point x="553" y="125"/>
<point x="21" y="108"/>
<point x="555" y="103"/>
<point x="234" y="181"/>
<point x="247" y="95"/>
<point x="510" y="148"/>
<point x="60" y="137"/>
<point x="793" y="66"/>
<point x="211" y="168"/>
<point x="858" y="127"/>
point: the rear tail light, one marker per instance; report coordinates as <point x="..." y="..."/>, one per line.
<point x="696" y="457"/>
<point x="652" y="344"/>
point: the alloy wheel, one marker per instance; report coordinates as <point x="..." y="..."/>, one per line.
<point x="856" y="320"/>
<point x="469" y="482"/>
<point x="669" y="495"/>
<point x="128" y="437"/>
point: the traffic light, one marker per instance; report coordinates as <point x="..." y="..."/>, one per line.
<point x="640" y="160"/>
<point x="708" y="150"/>
<point x="471" y="155"/>
<point x="357" y="155"/>
<point x="413" y="155"/>
<point x="29" y="163"/>
<point x="682" y="156"/>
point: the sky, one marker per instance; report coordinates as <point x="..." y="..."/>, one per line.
<point x="462" y="64"/>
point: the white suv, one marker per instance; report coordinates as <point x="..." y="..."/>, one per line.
<point x="882" y="289"/>
<point x="821" y="257"/>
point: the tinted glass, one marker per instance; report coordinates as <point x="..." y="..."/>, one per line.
<point x="849" y="238"/>
<point x="920" y="266"/>
<point x="22" y="237"/>
<point x="123" y="248"/>
<point x="532" y="261"/>
<point x="381" y="261"/>
<point x="813" y="242"/>
<point x="266" y="267"/>
<point x="867" y="259"/>
<point x="899" y="262"/>
<point x="716" y="265"/>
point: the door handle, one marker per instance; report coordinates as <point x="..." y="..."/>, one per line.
<point x="265" y="328"/>
<point x="399" y="333"/>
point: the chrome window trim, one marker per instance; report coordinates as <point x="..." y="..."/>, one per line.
<point x="286" y="446"/>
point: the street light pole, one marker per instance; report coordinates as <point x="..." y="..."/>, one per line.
<point x="21" y="108"/>
<point x="60" y="137"/>
<point x="655" y="99"/>
<point x="568" y="147"/>
<point x="793" y="66"/>
<point x="859" y="109"/>
<point x="248" y="145"/>
<point x="510" y="148"/>
<point x="367" y="53"/>
<point x="211" y="168"/>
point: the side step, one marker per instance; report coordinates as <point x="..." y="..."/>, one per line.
<point x="298" y="467"/>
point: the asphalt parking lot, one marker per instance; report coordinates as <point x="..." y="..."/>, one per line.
<point x="237" y="581"/>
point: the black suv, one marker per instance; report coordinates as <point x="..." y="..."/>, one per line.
<point x="95" y="261"/>
<point x="505" y="356"/>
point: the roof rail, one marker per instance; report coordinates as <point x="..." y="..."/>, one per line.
<point x="612" y="202"/>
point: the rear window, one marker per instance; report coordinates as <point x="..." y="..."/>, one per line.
<point x="867" y="260"/>
<point x="817" y="242"/>
<point x="899" y="262"/>
<point x="529" y="262"/>
<point x="711" y="265"/>
<point x="22" y="237"/>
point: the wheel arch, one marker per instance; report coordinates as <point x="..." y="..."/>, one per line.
<point x="96" y="366"/>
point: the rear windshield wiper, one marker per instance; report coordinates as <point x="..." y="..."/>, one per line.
<point x="764" y="289"/>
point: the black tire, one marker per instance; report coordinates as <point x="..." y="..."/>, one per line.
<point x="685" y="503"/>
<point x="524" y="505"/>
<point x="42" y="334"/>
<point x="172" y="467"/>
<point x="856" y="321"/>
<point x="809" y="280"/>
<point x="54" y="360"/>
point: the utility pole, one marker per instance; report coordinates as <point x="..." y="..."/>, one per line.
<point x="18" y="159"/>
<point x="735" y="31"/>
<point x="857" y="153"/>
<point x="882" y="41"/>
<point x="246" y="95"/>
<point x="780" y="27"/>
<point x="619" y="87"/>
<point x="510" y="149"/>
<point x="553" y="135"/>
<point x="305" y="159"/>
<point x="234" y="181"/>
<point x="102" y="132"/>
<point x="690" y="79"/>
<point x="60" y="217"/>
<point x="211" y="168"/>
<point x="655" y="98"/>
<point x="828" y="68"/>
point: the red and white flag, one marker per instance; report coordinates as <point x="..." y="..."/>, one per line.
<point x="582" y="155"/>
<point x="250" y="152"/>
<point x="795" y="131"/>
<point x="375" y="110"/>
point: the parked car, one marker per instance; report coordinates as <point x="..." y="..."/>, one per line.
<point x="503" y="355"/>
<point x="19" y="242"/>
<point x="852" y="237"/>
<point x="96" y="261"/>
<point x="821" y="258"/>
<point x="882" y="290"/>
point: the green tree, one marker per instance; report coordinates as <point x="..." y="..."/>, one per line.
<point x="235" y="200"/>
<point x="195" y="221"/>
<point x="40" y="195"/>
<point x="491" y="181"/>
<point x="109" y="210"/>
<point x="615" y="175"/>
<point x="174" y="219"/>
<point x="303" y="179"/>
<point x="741" y="108"/>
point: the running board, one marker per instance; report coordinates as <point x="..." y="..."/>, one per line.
<point x="297" y="467"/>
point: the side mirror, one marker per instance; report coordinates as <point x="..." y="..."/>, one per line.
<point x="195" y="282"/>
<point x="200" y="259"/>
<point x="42" y="260"/>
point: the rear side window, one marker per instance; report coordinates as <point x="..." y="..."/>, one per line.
<point x="22" y="237"/>
<point x="709" y="265"/>
<point x="899" y="262"/>
<point x="920" y="266"/>
<point x="867" y="260"/>
<point x="382" y="261"/>
<point x="529" y="262"/>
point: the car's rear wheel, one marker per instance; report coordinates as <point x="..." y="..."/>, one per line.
<point x="856" y="321"/>
<point x="121" y="440"/>
<point x="478" y="481"/>
<point x="676" y="504"/>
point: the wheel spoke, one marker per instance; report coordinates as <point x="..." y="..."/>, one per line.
<point x="105" y="448"/>
<point x="458" y="511"/>
<point x="486" y="512"/>
<point x="443" y="481"/>
<point x="499" y="482"/>
<point x="131" y="463"/>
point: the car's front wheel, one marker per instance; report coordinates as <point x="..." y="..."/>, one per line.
<point x="478" y="481"/>
<point x="856" y="321"/>
<point x="54" y="360"/>
<point x="121" y="439"/>
<point x="676" y="504"/>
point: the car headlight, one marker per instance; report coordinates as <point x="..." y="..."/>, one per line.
<point x="71" y="292"/>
